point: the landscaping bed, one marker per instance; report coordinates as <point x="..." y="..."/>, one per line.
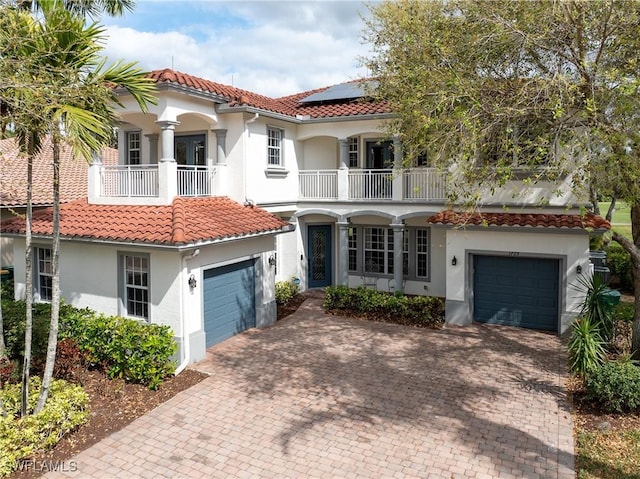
<point x="113" y="404"/>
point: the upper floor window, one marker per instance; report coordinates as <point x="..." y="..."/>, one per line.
<point x="134" y="285"/>
<point x="274" y="146"/>
<point x="133" y="147"/>
<point x="353" y="151"/>
<point x="43" y="273"/>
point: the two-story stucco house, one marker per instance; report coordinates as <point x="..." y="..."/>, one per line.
<point x="349" y="211"/>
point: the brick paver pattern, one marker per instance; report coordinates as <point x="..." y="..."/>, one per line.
<point x="331" y="397"/>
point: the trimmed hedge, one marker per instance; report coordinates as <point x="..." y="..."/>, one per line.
<point x="125" y="348"/>
<point x="422" y="311"/>
<point x="615" y="385"/>
<point x="66" y="409"/>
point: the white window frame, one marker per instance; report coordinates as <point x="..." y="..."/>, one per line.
<point x="125" y="287"/>
<point x="275" y="150"/>
<point x="43" y="257"/>
<point x="423" y="252"/>
<point x="133" y="147"/>
<point x="352" y="246"/>
<point x="354" y="156"/>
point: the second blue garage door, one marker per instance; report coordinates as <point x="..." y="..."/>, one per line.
<point x="516" y="291"/>
<point x="229" y="301"/>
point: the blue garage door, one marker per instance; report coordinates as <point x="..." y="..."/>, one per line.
<point x="516" y="291"/>
<point x="229" y="301"/>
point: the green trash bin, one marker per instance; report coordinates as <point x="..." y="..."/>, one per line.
<point x="611" y="297"/>
<point x="6" y="273"/>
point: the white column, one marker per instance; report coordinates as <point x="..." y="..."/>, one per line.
<point x="344" y="153"/>
<point x="343" y="252"/>
<point x="398" y="276"/>
<point x="221" y="146"/>
<point x="93" y="180"/>
<point x="153" y="148"/>
<point x="398" y="178"/>
<point x="166" y="135"/>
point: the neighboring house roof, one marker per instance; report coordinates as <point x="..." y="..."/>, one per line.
<point x="185" y="221"/>
<point x="288" y="105"/>
<point x="73" y="174"/>
<point x="531" y="220"/>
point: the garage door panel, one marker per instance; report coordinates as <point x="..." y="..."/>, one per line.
<point x="229" y="301"/>
<point x="516" y="291"/>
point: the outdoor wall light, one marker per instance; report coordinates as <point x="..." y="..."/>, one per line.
<point x="454" y="261"/>
<point x="192" y="282"/>
<point x="272" y="260"/>
<point x="579" y="269"/>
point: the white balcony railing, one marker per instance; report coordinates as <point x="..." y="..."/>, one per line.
<point x="370" y="184"/>
<point x="318" y="184"/>
<point x="195" y="180"/>
<point x="418" y="184"/>
<point x="424" y="184"/>
<point x="129" y="181"/>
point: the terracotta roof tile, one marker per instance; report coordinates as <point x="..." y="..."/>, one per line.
<point x="287" y="105"/>
<point x="187" y="220"/>
<point x="531" y="220"/>
<point x="73" y="174"/>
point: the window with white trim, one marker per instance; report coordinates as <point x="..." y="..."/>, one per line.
<point x="44" y="273"/>
<point x="135" y="285"/>
<point x="378" y="251"/>
<point x="275" y="137"/>
<point x="133" y="148"/>
<point x="353" y="151"/>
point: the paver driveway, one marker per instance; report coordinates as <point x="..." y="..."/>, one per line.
<point x="323" y="396"/>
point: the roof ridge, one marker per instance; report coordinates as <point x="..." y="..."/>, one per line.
<point x="178" y="221"/>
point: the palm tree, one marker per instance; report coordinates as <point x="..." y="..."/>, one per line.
<point x="75" y="102"/>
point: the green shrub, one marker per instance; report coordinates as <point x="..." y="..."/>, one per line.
<point x="414" y="310"/>
<point x="586" y="347"/>
<point x="13" y="316"/>
<point x="597" y="304"/>
<point x="624" y="312"/>
<point x="124" y="348"/>
<point x="616" y="385"/>
<point x="286" y="291"/>
<point x="66" y="409"/>
<point x="619" y="262"/>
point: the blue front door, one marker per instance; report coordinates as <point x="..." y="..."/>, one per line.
<point x="319" y="255"/>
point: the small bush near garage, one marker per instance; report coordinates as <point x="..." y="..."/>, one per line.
<point x="125" y="348"/>
<point x="615" y="385"/>
<point x="619" y="262"/>
<point x="286" y="291"/>
<point x="422" y="311"/>
<point x="66" y="409"/>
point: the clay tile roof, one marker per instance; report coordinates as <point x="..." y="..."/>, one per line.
<point x="73" y="174"/>
<point x="288" y="105"/>
<point x="531" y="220"/>
<point x="186" y="221"/>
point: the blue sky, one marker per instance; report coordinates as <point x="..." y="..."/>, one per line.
<point x="274" y="48"/>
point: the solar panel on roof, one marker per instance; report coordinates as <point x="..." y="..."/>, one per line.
<point x="344" y="91"/>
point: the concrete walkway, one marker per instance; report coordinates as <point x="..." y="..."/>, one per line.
<point x="329" y="397"/>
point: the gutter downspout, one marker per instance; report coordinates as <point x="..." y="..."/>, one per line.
<point x="185" y="337"/>
<point x="245" y="136"/>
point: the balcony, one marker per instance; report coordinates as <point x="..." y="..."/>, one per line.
<point x="419" y="184"/>
<point x="148" y="184"/>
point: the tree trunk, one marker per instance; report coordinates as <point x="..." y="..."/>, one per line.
<point x="633" y="248"/>
<point x="3" y="352"/>
<point x="26" y="365"/>
<point x="55" y="284"/>
<point x="612" y="208"/>
<point x="593" y="197"/>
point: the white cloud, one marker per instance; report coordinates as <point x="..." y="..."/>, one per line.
<point x="272" y="48"/>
